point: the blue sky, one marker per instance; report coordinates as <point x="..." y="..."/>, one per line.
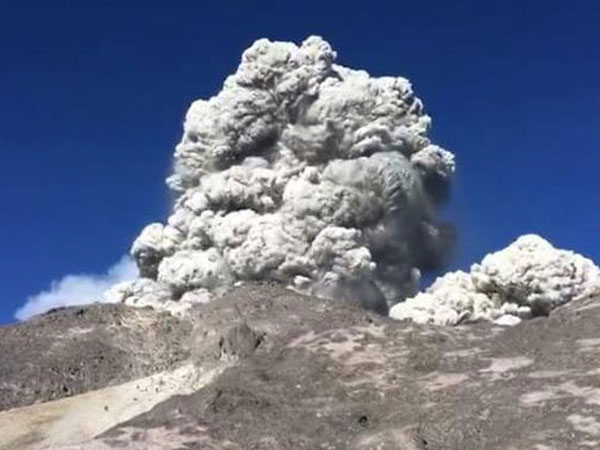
<point x="92" y="96"/>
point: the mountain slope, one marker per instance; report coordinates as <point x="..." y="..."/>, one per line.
<point x="297" y="372"/>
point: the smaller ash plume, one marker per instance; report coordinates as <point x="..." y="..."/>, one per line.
<point x="528" y="278"/>
<point x="78" y="289"/>
<point x="303" y="172"/>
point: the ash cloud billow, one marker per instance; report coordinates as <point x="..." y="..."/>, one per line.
<point x="528" y="278"/>
<point x="304" y="172"/>
<point x="78" y="289"/>
<point x="321" y="178"/>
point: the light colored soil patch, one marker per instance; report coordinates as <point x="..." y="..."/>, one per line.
<point x="534" y="398"/>
<point x="589" y="395"/>
<point x="77" y="419"/>
<point x="548" y="374"/>
<point x="440" y="381"/>
<point x="585" y="424"/>
<point x="589" y="345"/>
<point x="311" y="340"/>
<point x="397" y="439"/>
<point x="345" y="346"/>
<point x="78" y="331"/>
<point x="464" y="353"/>
<point x="360" y="349"/>
<point x="151" y="439"/>
<point x="500" y="367"/>
<point x="154" y="439"/>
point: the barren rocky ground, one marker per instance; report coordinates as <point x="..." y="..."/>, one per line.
<point x="73" y="350"/>
<point x="293" y="372"/>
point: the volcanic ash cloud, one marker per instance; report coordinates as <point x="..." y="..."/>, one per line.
<point x="528" y="278"/>
<point x="303" y="172"/>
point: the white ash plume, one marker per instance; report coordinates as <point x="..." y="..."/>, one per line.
<point x="528" y="278"/>
<point x="304" y="172"/>
<point x="78" y="289"/>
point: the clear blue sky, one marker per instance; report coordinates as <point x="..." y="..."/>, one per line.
<point x="92" y="96"/>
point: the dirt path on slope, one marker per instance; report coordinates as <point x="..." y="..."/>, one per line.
<point x="80" y="418"/>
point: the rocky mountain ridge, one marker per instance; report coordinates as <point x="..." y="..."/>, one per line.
<point x="279" y="370"/>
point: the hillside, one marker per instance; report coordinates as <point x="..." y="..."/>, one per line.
<point x="266" y="368"/>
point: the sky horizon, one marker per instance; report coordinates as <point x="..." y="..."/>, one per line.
<point x="93" y="94"/>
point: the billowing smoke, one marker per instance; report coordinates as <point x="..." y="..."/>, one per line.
<point x="528" y="278"/>
<point x="78" y="289"/>
<point x="303" y="172"/>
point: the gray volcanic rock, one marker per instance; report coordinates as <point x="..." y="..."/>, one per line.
<point x="303" y="373"/>
<point x="73" y="350"/>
